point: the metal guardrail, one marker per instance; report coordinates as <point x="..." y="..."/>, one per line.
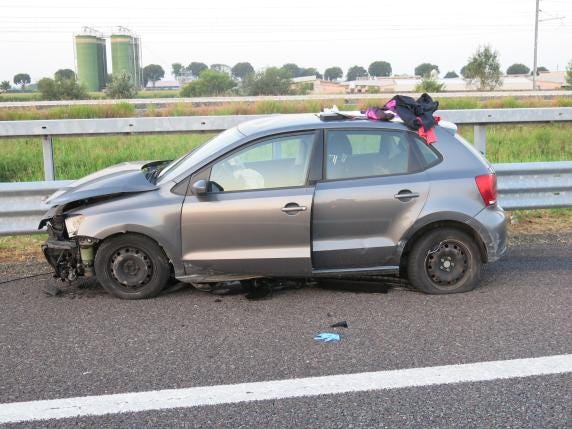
<point x="21" y="205"/>
<point x="521" y="186"/>
<point x="47" y="129"/>
<point x="535" y="185"/>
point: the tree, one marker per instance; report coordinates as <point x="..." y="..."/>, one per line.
<point x="241" y="70"/>
<point x="539" y="70"/>
<point x="464" y="71"/>
<point x="221" y="68"/>
<point x="333" y="73"/>
<point x="569" y="73"/>
<point x="152" y="73"/>
<point x="196" y="68"/>
<point x="484" y="69"/>
<point x="311" y="71"/>
<point x="5" y="85"/>
<point x="429" y="83"/>
<point x="121" y="86"/>
<point x="379" y="68"/>
<point x="518" y="68"/>
<point x="64" y="86"/>
<point x="64" y="74"/>
<point x="210" y="82"/>
<point x="177" y="69"/>
<point x="272" y="81"/>
<point x="22" y="79"/>
<point x="424" y="69"/>
<point x="291" y="69"/>
<point x="355" y="72"/>
<point x="451" y="75"/>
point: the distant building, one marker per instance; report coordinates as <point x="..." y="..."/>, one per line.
<point x="551" y="80"/>
<point x="163" y="85"/>
<point x="316" y="86"/>
<point x="398" y="84"/>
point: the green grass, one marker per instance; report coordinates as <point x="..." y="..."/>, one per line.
<point x="21" y="159"/>
<point x="526" y="143"/>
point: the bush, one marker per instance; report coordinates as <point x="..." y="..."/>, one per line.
<point x="121" y="86"/>
<point x="272" y="81"/>
<point x="61" y="88"/>
<point x="429" y="84"/>
<point x="209" y="83"/>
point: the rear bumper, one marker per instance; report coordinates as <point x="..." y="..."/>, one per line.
<point x="491" y="226"/>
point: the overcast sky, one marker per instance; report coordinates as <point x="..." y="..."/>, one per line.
<point x="38" y="38"/>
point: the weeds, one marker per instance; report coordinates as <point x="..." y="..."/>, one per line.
<point x="124" y="109"/>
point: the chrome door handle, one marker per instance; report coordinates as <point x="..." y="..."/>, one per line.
<point x="406" y="194"/>
<point x="293" y="209"/>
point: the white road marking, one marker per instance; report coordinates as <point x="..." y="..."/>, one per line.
<point x="280" y="389"/>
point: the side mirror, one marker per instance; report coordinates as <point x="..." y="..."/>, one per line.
<point x="200" y="187"/>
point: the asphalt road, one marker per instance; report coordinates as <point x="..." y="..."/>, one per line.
<point x="84" y="342"/>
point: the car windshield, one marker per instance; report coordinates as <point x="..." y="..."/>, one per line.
<point x="186" y="162"/>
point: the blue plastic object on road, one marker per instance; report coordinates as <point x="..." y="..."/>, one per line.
<point x="327" y="337"/>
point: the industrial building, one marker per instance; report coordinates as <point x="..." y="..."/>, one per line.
<point x="91" y="57"/>
<point x="126" y="54"/>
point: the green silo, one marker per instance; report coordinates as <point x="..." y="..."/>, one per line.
<point x="125" y="56"/>
<point x="91" y="61"/>
<point x="102" y="56"/>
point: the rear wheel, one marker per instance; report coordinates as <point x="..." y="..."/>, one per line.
<point x="444" y="261"/>
<point x="131" y="266"/>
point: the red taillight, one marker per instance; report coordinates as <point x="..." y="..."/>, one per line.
<point x="487" y="184"/>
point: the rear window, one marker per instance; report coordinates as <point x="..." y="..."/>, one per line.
<point x="364" y="153"/>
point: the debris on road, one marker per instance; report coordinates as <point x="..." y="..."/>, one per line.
<point x="365" y="285"/>
<point x="342" y="324"/>
<point x="328" y="337"/>
<point x="52" y="290"/>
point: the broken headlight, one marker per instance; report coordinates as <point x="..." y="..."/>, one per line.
<point x="73" y="223"/>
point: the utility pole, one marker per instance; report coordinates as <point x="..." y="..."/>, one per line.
<point x="535" y="46"/>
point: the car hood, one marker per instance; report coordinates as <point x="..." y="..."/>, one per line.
<point x="127" y="177"/>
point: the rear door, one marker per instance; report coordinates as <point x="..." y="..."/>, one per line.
<point x="373" y="190"/>
<point x="257" y="219"/>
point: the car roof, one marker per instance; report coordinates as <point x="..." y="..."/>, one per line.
<point x="293" y="122"/>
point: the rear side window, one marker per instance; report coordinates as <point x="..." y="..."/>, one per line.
<point x="364" y="153"/>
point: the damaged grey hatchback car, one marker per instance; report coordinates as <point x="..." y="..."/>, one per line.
<point x="286" y="197"/>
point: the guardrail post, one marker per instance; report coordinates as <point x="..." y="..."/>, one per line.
<point x="48" y="149"/>
<point x="480" y="138"/>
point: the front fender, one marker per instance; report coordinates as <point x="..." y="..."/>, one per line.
<point x="154" y="214"/>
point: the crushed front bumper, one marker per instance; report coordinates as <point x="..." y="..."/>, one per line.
<point x="70" y="258"/>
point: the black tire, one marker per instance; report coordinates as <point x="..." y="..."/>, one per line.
<point x="444" y="260"/>
<point x="131" y="266"/>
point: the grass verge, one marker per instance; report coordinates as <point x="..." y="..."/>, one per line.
<point x="122" y="110"/>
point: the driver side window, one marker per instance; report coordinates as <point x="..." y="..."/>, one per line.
<point x="279" y="162"/>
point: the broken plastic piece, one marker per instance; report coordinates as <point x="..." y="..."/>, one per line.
<point x="52" y="290"/>
<point x="328" y="337"/>
<point x="342" y="324"/>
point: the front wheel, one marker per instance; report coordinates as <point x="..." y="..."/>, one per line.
<point x="444" y="261"/>
<point x="131" y="266"/>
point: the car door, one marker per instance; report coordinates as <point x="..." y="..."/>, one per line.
<point x="256" y="219"/>
<point x="374" y="188"/>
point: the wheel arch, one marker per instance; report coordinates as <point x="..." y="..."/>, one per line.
<point x="176" y="266"/>
<point x="458" y="221"/>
